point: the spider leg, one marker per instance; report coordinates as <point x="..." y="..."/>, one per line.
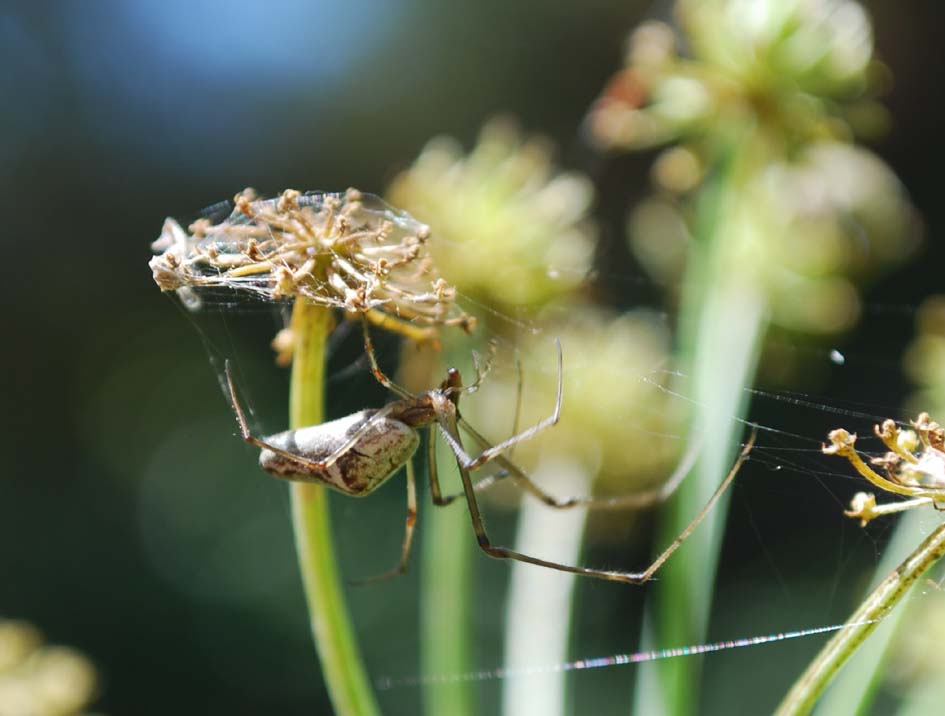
<point x="519" y="386"/>
<point x="449" y="432"/>
<point x="376" y="370"/>
<point x="635" y="500"/>
<point x="311" y="465"/>
<point x="411" y="521"/>
<point x="490" y="453"/>
<point x="438" y="498"/>
<point x="482" y="369"/>
<point x="510" y="470"/>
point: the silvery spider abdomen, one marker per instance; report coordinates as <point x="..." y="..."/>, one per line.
<point x="374" y="457"/>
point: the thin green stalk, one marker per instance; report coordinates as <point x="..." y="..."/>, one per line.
<point x="446" y="625"/>
<point x="540" y="602"/>
<point x="343" y="669"/>
<point x="722" y="324"/>
<point x="855" y="687"/>
<point x="808" y="688"/>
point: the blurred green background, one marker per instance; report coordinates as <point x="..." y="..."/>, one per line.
<point x="136" y="527"/>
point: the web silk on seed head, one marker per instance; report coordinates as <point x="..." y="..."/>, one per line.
<point x="349" y="251"/>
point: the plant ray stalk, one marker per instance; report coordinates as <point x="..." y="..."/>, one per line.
<point x="807" y="689"/>
<point x="342" y="666"/>
<point x="855" y="687"/>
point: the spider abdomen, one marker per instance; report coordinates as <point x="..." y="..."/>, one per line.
<point x="381" y="450"/>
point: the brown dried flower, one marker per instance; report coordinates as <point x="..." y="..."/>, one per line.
<point x="349" y="251"/>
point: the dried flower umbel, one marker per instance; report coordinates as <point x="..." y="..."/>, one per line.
<point x="914" y="466"/>
<point x="349" y="251"/>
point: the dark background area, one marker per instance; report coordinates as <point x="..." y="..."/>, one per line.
<point x="133" y="525"/>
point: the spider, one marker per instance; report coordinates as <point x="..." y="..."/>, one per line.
<point x="358" y="453"/>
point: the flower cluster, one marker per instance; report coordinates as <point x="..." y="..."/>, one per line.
<point x="767" y="93"/>
<point x="41" y="680"/>
<point x="512" y="229"/>
<point x="349" y="251"/>
<point x="914" y="466"/>
<point x="616" y="420"/>
<point x="795" y="65"/>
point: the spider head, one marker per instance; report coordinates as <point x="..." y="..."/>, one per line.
<point x="452" y="386"/>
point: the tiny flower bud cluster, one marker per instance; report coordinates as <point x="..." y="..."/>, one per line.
<point x="349" y="251"/>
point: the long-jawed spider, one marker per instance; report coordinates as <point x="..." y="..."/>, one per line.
<point x="921" y="477"/>
<point x="358" y="453"/>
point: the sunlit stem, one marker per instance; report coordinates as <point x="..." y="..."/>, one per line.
<point x="540" y="601"/>
<point x="338" y="651"/>
<point x="448" y="562"/>
<point x="808" y="688"/>
<point x="723" y="321"/>
<point x="853" y="690"/>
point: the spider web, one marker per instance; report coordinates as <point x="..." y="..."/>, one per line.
<point x="792" y="563"/>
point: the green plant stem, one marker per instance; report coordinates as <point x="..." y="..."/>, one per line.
<point x="343" y="669"/>
<point x="807" y="689"/>
<point x="446" y="620"/>
<point x="854" y="688"/>
<point x="540" y="602"/>
<point x="724" y="316"/>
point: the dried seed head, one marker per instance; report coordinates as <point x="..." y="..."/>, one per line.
<point x="914" y="464"/>
<point x="349" y="251"/>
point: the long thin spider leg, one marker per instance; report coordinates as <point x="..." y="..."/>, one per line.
<point x="376" y="369"/>
<point x="314" y="465"/>
<point x="438" y="498"/>
<point x="636" y="500"/>
<point x="409" y="524"/>
<point x="499" y="448"/>
<point x="433" y="473"/>
<point x="519" y="387"/>
<point x="449" y="431"/>
<point x="648" y="573"/>
<point x="517" y="474"/>
<point x="482" y="369"/>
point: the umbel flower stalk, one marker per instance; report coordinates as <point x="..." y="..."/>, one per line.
<point x="856" y="685"/>
<point x="915" y="468"/>
<point x="324" y="252"/>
